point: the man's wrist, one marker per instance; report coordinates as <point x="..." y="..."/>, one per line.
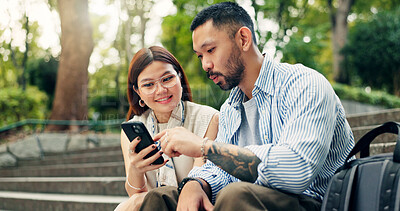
<point x="185" y="181"/>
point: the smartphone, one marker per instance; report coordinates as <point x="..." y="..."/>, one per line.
<point x="134" y="129"/>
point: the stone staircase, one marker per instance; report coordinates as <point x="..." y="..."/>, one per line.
<point x="362" y="123"/>
<point x="85" y="179"/>
<point x="72" y="173"/>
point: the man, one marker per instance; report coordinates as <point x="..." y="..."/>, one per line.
<point x="282" y="131"/>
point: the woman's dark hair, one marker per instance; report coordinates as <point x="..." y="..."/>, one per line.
<point x="143" y="58"/>
<point x="226" y="15"/>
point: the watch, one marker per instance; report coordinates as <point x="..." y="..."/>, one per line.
<point x="186" y="180"/>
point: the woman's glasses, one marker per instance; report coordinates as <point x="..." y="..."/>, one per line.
<point x="167" y="81"/>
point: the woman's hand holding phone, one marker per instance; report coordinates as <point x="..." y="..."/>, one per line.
<point x="143" y="153"/>
<point x="138" y="162"/>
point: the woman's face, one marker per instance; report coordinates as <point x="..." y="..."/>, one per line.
<point x="160" y="88"/>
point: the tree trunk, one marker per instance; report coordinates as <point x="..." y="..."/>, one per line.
<point x="70" y="102"/>
<point x="339" y="37"/>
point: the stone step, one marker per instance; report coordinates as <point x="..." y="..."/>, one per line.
<point x="383" y="143"/>
<point x="67" y="185"/>
<point x="106" y="169"/>
<point x="10" y="200"/>
<point x="94" y="149"/>
<point x="88" y="157"/>
<point x="374" y="118"/>
<point x="380" y="148"/>
<point x="359" y="132"/>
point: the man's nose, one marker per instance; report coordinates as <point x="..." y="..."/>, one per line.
<point x="207" y="64"/>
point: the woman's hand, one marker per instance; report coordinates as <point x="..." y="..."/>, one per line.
<point x="138" y="163"/>
<point x="180" y="141"/>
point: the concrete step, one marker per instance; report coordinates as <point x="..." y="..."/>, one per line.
<point x="10" y="200"/>
<point x="381" y="148"/>
<point x="374" y="118"/>
<point x="106" y="169"/>
<point x="88" y="157"/>
<point x="69" y="185"/>
<point x="359" y="132"/>
<point x="94" y="149"/>
<point x="383" y="143"/>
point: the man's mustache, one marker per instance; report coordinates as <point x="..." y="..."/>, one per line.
<point x="211" y="73"/>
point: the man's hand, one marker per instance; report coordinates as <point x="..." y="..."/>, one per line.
<point x="193" y="198"/>
<point x="179" y="141"/>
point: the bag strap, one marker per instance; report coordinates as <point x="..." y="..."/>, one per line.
<point x="363" y="144"/>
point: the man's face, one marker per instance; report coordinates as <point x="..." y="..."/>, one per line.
<point x="219" y="55"/>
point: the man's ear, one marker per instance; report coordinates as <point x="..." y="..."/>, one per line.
<point x="245" y="38"/>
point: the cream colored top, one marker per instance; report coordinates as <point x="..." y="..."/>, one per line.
<point x="196" y="119"/>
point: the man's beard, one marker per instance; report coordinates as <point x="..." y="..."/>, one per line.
<point x="235" y="68"/>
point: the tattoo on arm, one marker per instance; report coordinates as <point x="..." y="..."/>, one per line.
<point x="239" y="162"/>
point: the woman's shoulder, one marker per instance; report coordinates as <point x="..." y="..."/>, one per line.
<point x="196" y="108"/>
<point x="198" y="117"/>
<point x="142" y="118"/>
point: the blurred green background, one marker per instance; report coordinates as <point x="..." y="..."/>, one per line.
<point x="355" y="44"/>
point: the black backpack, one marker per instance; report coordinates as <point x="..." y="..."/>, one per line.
<point x="370" y="182"/>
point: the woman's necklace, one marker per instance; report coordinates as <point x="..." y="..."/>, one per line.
<point x="154" y="127"/>
<point x="166" y="174"/>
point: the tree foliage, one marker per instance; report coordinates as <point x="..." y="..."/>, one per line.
<point x="42" y="73"/>
<point x="17" y="105"/>
<point x="294" y="31"/>
<point x="373" y="52"/>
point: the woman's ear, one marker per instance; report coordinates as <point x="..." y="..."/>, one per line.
<point x="245" y="38"/>
<point x="136" y="90"/>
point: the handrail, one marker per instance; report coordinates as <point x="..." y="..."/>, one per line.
<point x="61" y="122"/>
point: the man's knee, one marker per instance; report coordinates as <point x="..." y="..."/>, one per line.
<point x="165" y="190"/>
<point x="166" y="198"/>
<point x="234" y="191"/>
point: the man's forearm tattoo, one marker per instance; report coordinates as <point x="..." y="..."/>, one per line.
<point x="239" y="162"/>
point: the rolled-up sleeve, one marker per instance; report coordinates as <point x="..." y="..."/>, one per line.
<point x="214" y="176"/>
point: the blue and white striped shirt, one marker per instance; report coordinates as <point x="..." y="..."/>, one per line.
<point x="305" y="136"/>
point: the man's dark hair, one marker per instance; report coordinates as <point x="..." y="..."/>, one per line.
<point x="226" y="15"/>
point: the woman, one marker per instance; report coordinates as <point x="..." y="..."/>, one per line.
<point x="159" y="96"/>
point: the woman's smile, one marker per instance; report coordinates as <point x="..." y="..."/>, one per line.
<point x="164" y="100"/>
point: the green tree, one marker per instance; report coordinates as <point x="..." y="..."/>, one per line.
<point x="373" y="51"/>
<point x="285" y="13"/>
<point x="42" y="73"/>
<point x="309" y="41"/>
<point x="17" y="105"/>
<point x="14" y="56"/>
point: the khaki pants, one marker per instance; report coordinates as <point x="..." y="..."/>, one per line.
<point x="236" y="196"/>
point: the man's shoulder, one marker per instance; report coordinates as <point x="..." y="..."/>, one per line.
<point x="297" y="71"/>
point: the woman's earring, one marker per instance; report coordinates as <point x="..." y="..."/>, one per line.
<point x="141" y="103"/>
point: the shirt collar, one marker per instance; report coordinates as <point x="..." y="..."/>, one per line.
<point x="265" y="81"/>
